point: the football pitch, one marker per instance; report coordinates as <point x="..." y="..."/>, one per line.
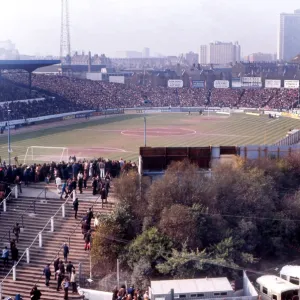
<point x="122" y="135"/>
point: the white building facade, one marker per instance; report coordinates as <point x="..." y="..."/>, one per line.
<point x="289" y="36"/>
<point x="221" y="53"/>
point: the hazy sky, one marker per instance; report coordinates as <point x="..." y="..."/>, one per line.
<point x="165" y="26"/>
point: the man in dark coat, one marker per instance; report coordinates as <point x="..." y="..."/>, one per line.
<point x="56" y="265"/>
<point x="66" y="252"/>
<point x="75" y="206"/>
<point x="47" y="274"/>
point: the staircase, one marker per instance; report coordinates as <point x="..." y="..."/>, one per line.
<point x="66" y="229"/>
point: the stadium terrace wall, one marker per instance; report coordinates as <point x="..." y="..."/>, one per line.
<point x="155" y="160"/>
<point x="60" y="117"/>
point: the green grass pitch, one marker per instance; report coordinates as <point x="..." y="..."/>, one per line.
<point x="121" y="136"/>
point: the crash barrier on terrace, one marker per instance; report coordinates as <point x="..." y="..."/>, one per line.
<point x="14" y="192"/>
<point x="20" y="218"/>
<point x="69" y="243"/>
<point x="39" y="238"/>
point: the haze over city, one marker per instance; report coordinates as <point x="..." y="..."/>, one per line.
<point x="166" y="27"/>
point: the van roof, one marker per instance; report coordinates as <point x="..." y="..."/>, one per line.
<point x="276" y="284"/>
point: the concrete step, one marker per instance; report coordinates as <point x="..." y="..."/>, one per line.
<point x="64" y="228"/>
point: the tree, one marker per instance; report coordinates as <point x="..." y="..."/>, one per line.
<point x="182" y="184"/>
<point x="179" y="224"/>
<point x="151" y="246"/>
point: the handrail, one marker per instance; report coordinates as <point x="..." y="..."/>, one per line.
<point x="71" y="234"/>
<point x="21" y="215"/>
<point x="8" y="195"/>
<point x="24" y="253"/>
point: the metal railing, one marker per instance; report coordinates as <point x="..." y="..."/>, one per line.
<point x="20" y="218"/>
<point x="4" y="201"/>
<point x="69" y="239"/>
<point x="38" y="237"/>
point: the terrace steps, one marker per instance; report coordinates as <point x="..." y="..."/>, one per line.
<point x="64" y="228"/>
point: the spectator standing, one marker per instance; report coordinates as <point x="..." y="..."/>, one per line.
<point x="5" y="255"/>
<point x="80" y="181"/>
<point x="73" y="282"/>
<point x="66" y="285"/>
<point x="35" y="294"/>
<point x="58" y="184"/>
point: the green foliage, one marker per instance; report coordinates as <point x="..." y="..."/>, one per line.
<point x="186" y="224"/>
<point x="150" y="246"/>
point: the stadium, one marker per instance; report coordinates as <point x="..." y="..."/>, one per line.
<point x="93" y="140"/>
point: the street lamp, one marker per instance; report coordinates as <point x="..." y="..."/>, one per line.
<point x="8" y="131"/>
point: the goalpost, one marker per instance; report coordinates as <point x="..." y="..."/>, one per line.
<point x="46" y="154"/>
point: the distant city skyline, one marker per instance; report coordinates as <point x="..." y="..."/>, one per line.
<point x="108" y="26"/>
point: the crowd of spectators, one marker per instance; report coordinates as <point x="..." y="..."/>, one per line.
<point x="225" y="97"/>
<point x="73" y="94"/>
<point x="257" y="97"/>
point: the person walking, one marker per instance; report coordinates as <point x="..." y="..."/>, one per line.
<point x="66" y="252"/>
<point x="75" y="206"/>
<point x="73" y="282"/>
<point x="87" y="240"/>
<point x="16" y="231"/>
<point x="66" y="285"/>
<point x="69" y="268"/>
<point x="35" y="294"/>
<point x="47" y="274"/>
<point x="90" y="215"/>
<point x="63" y="189"/>
<point x="14" y="255"/>
<point x="5" y="255"/>
<point x="60" y="277"/>
<point x="103" y="195"/>
<point x="56" y="266"/>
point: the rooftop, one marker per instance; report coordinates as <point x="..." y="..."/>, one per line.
<point x="276" y="284"/>
<point x="28" y="65"/>
<point x="291" y="270"/>
<point x="204" y="285"/>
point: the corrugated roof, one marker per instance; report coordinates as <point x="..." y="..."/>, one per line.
<point x="191" y="285"/>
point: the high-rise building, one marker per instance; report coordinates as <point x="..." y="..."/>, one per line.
<point x="289" y="36"/>
<point x="146" y="52"/>
<point x="224" y="53"/>
<point x="203" y="55"/>
<point x="260" y="57"/>
<point x="192" y="58"/>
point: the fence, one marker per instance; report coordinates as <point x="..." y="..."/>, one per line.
<point x="39" y="237"/>
<point x="291" y="139"/>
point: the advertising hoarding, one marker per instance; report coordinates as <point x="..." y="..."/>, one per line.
<point x="117" y="79"/>
<point x="94" y="76"/>
<point x="291" y="84"/>
<point x="236" y="83"/>
<point x="221" y="84"/>
<point x="200" y="84"/>
<point x="272" y="84"/>
<point x="252" y="82"/>
<point x="175" y="83"/>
